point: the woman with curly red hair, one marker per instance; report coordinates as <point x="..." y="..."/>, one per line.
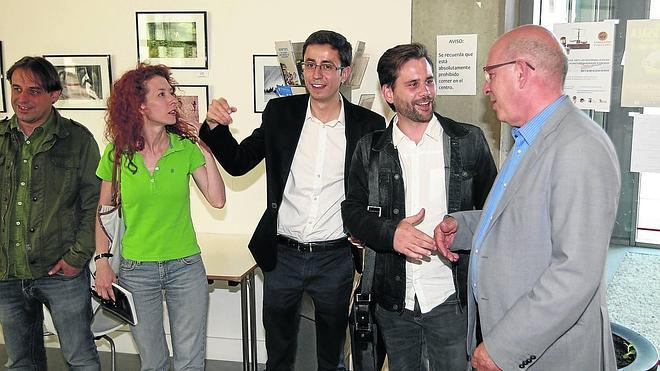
<point x="157" y="153"/>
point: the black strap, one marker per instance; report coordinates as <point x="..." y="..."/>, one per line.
<point x="369" y="254"/>
<point x="116" y="179"/>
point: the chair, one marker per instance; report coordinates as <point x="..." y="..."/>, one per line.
<point x="102" y="325"/>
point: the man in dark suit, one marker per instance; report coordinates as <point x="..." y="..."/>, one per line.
<point x="300" y="243"/>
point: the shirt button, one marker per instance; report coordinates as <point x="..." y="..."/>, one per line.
<point x="24" y="161"/>
<point x="20" y="203"/>
<point x="23" y="184"/>
<point x="151" y="180"/>
<point x="396" y="176"/>
<point x="32" y="229"/>
<point x="18" y="244"/>
<point x="273" y="205"/>
<point x="156" y="168"/>
<point x="18" y="223"/>
<point x="27" y="142"/>
<point x="395" y="211"/>
<point x="519" y="151"/>
<point x="34" y="198"/>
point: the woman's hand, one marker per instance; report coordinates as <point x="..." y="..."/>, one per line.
<point x="104" y="279"/>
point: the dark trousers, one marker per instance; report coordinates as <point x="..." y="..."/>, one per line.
<point x="410" y="335"/>
<point x="327" y="277"/>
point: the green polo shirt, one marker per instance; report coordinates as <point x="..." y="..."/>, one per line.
<point x="39" y="141"/>
<point x="156" y="207"/>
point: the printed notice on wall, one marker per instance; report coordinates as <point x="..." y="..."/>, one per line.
<point x="641" y="72"/>
<point x="645" y="154"/>
<point x="589" y="47"/>
<point x="456" y="64"/>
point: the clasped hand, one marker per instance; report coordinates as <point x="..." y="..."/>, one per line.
<point x="415" y="244"/>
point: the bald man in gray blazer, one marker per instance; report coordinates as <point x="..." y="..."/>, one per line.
<point x="536" y="284"/>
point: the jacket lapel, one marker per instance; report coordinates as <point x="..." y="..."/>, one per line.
<point x="529" y="161"/>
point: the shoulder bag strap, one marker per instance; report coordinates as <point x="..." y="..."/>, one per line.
<point x="374" y="202"/>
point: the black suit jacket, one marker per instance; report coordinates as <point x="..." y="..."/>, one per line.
<point x="276" y="141"/>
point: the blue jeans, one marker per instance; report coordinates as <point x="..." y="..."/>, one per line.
<point x="182" y="284"/>
<point x="21" y="318"/>
<point x="410" y="335"/>
<point x="327" y="276"/>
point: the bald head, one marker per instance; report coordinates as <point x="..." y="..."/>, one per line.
<point x="539" y="47"/>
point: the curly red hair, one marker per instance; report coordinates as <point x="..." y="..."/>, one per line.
<point x="123" y="118"/>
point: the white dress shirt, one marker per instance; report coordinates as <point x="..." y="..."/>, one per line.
<point x="314" y="190"/>
<point x="423" y="168"/>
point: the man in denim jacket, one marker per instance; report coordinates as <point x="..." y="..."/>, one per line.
<point x="428" y="165"/>
<point x="49" y="194"/>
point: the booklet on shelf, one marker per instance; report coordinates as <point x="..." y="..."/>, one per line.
<point x="359" y="65"/>
<point x="287" y="60"/>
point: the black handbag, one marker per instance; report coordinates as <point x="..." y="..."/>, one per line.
<point x="367" y="348"/>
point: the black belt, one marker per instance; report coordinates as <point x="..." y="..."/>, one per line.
<point x="312" y="246"/>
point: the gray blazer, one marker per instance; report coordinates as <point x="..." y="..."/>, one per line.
<point x="542" y="291"/>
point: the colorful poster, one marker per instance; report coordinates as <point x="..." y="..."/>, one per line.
<point x="589" y="47"/>
<point x="456" y="65"/>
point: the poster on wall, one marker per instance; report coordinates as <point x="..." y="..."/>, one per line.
<point x="86" y="80"/>
<point x="175" y="39"/>
<point x="641" y="72"/>
<point x="589" y="47"/>
<point x="456" y="64"/>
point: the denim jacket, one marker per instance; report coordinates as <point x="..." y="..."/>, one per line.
<point x="64" y="194"/>
<point x="469" y="173"/>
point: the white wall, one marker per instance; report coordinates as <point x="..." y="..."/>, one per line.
<point x="237" y="29"/>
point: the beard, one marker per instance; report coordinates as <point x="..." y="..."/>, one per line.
<point x="410" y="111"/>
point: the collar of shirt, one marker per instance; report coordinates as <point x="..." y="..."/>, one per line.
<point x="339" y="121"/>
<point x="433" y="131"/>
<point x="43" y="131"/>
<point x="532" y="128"/>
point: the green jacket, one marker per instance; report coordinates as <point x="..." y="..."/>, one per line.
<point x="64" y="194"/>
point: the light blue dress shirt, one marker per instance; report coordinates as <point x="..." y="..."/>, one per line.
<point x="524" y="137"/>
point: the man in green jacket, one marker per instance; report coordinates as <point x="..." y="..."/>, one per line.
<point x="48" y="199"/>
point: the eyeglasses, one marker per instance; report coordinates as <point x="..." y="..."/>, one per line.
<point x="326" y="67"/>
<point x="487" y="69"/>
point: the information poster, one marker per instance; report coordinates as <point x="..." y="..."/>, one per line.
<point x="641" y="72"/>
<point x="645" y="154"/>
<point x="456" y="65"/>
<point x="589" y="47"/>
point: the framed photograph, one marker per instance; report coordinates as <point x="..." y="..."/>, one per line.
<point x="3" y="103"/>
<point x="193" y="102"/>
<point x="175" y="39"/>
<point x="267" y="75"/>
<point x="86" y="80"/>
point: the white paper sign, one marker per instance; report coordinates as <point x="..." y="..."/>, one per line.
<point x="645" y="156"/>
<point x="589" y="47"/>
<point x="456" y="64"/>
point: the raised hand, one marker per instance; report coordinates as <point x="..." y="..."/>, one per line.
<point x="219" y="113"/>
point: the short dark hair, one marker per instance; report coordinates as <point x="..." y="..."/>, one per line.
<point x="393" y="58"/>
<point x="336" y="41"/>
<point x="42" y="69"/>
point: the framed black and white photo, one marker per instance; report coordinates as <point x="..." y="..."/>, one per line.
<point x="3" y="103"/>
<point x="267" y="75"/>
<point x="175" y="39"/>
<point x="193" y="102"/>
<point x="86" y="80"/>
